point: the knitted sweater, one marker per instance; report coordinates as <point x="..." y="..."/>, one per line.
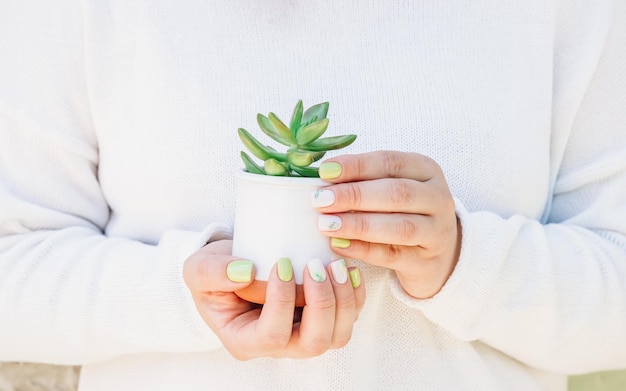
<point x="118" y="147"/>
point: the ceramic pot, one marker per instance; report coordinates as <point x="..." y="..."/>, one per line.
<point x="274" y="219"/>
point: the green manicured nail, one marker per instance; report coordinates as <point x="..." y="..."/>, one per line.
<point x="239" y="271"/>
<point x="285" y="270"/>
<point x="355" y="278"/>
<point x="340" y="242"/>
<point x="330" y="170"/>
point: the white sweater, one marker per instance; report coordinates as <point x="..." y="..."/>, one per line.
<point x="118" y="145"/>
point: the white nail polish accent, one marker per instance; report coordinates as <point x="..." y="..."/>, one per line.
<point x="321" y="198"/>
<point x="328" y="223"/>
<point x="340" y="271"/>
<point x="316" y="270"/>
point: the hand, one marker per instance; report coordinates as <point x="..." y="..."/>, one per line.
<point x="249" y="330"/>
<point x="392" y="209"/>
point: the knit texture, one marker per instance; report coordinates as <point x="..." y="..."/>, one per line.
<point x="118" y="148"/>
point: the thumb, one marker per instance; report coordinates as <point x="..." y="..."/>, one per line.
<point x="214" y="269"/>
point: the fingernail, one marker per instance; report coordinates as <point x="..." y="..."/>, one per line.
<point x="285" y="270"/>
<point x="328" y="223"/>
<point x="316" y="270"/>
<point x="239" y="271"/>
<point x="330" y="170"/>
<point x="355" y="278"/>
<point x="321" y="198"/>
<point x="340" y="242"/>
<point x="340" y="271"/>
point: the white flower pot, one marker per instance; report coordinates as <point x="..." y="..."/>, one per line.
<point x="274" y="219"/>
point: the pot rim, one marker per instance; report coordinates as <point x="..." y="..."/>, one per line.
<point x="291" y="181"/>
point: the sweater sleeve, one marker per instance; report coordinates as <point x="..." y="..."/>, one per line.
<point x="68" y="293"/>
<point x="552" y="294"/>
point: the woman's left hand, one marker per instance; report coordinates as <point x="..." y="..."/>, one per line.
<point x="395" y="210"/>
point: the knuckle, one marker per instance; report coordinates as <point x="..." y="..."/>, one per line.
<point x="353" y="195"/>
<point x="401" y="193"/>
<point x="361" y="166"/>
<point x="325" y="303"/>
<point x="392" y="254"/>
<point x="283" y="297"/>
<point x="430" y="163"/>
<point x="368" y="251"/>
<point x="347" y="304"/>
<point x="393" y="164"/>
<point x="408" y="231"/>
<point x="436" y="167"/>
<point x="360" y="224"/>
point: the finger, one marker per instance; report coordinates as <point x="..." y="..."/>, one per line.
<point x="219" y="247"/>
<point x="314" y="334"/>
<point x="345" y="313"/>
<point x="415" y="263"/>
<point x="379" y="164"/>
<point x="381" y="195"/>
<point x="274" y="327"/>
<point x="386" y="255"/>
<point x="356" y="280"/>
<point x="211" y="269"/>
<point x="388" y="228"/>
<point x="425" y="275"/>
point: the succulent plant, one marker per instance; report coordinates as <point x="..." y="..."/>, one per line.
<point x="302" y="137"/>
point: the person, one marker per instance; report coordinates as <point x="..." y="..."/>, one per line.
<point x="483" y="205"/>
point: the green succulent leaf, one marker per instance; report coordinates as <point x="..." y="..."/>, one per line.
<point x="296" y="118"/>
<point x="330" y="143"/>
<point x="318" y="155"/>
<point x="266" y="126"/>
<point x="303" y="138"/>
<point x="315" y="113"/>
<point x="312" y="132"/>
<point x="257" y="149"/>
<point x="251" y="166"/>
<point x="300" y="159"/>
<point x="274" y="167"/>
<point x="306" y="171"/>
<point x="281" y="129"/>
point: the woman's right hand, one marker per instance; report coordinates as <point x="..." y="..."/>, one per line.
<point x="249" y="330"/>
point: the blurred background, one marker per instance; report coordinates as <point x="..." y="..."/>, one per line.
<point x="39" y="377"/>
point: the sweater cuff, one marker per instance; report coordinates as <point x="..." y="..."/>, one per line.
<point x="463" y="296"/>
<point x="184" y="320"/>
